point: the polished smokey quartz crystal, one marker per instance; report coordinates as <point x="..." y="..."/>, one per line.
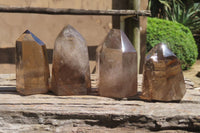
<point x="32" y="68"/>
<point x="162" y="78"/>
<point x="117" y="66"/>
<point x="70" y="72"/>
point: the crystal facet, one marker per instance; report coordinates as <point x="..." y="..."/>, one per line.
<point x="32" y="68"/>
<point x="163" y="78"/>
<point x="117" y="66"/>
<point x="70" y="72"/>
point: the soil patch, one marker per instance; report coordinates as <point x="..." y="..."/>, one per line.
<point x="192" y="74"/>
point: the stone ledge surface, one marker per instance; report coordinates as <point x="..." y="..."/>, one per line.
<point x="50" y="113"/>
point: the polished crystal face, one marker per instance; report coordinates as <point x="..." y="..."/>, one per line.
<point x="70" y="72"/>
<point x="163" y="78"/>
<point x="32" y="69"/>
<point x="117" y="66"/>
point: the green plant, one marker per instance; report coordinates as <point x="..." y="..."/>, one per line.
<point x="186" y="15"/>
<point x="159" y="7"/>
<point x="186" y="12"/>
<point x="178" y="37"/>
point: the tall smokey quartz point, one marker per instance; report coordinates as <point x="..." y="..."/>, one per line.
<point x="70" y="72"/>
<point x="163" y="78"/>
<point x="117" y="66"/>
<point x="32" y="68"/>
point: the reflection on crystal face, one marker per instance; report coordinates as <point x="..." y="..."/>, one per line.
<point x="163" y="79"/>
<point x="32" y="69"/>
<point x="117" y="66"/>
<point x="70" y="72"/>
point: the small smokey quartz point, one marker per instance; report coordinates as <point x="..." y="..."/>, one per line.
<point x="32" y="68"/>
<point x="162" y="77"/>
<point x="117" y="66"/>
<point x="70" y="72"/>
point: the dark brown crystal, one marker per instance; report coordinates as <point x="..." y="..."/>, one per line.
<point x="32" y="69"/>
<point x="117" y="66"/>
<point x="163" y="78"/>
<point x="70" y="72"/>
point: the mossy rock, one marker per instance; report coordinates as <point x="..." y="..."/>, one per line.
<point x="178" y="38"/>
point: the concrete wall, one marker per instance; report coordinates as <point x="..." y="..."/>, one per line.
<point x="47" y="27"/>
<point x="77" y="4"/>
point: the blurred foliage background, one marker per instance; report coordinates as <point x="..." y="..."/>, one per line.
<point x="185" y="12"/>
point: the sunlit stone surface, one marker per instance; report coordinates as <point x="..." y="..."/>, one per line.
<point x="163" y="78"/>
<point x="70" y="73"/>
<point x="32" y="69"/>
<point x="117" y="66"/>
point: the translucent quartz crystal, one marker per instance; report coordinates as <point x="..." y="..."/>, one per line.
<point x="163" y="78"/>
<point x="117" y="66"/>
<point x="32" y="68"/>
<point x="70" y="72"/>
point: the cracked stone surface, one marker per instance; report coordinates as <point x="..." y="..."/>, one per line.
<point x="50" y="113"/>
